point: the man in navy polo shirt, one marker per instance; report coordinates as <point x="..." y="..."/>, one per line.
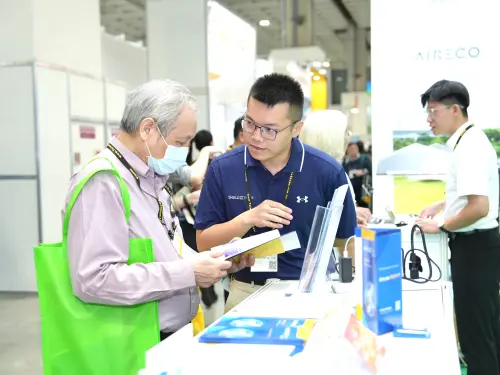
<point x="272" y="182"/>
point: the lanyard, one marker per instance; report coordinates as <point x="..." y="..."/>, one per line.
<point x="171" y="232"/>
<point x="249" y="197"/>
<point x="461" y="135"/>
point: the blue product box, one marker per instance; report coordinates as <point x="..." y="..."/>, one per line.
<point x="259" y="330"/>
<point x="382" y="279"/>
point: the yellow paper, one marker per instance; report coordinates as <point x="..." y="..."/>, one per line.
<point x="305" y="330"/>
<point x="273" y="247"/>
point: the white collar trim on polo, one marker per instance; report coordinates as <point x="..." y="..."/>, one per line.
<point x="301" y="163"/>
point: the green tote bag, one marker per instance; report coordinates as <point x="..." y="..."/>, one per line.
<point x="91" y="339"/>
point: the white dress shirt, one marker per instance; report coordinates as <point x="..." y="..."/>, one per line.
<point x="473" y="171"/>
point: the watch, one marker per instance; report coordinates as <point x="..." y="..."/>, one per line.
<point x="441" y="226"/>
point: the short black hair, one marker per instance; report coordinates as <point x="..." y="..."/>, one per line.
<point x="275" y="88"/>
<point x="238" y="127"/>
<point x="361" y="146"/>
<point x="203" y="139"/>
<point x="449" y="93"/>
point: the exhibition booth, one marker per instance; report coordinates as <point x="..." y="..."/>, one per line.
<point x="409" y="168"/>
<point x="389" y="316"/>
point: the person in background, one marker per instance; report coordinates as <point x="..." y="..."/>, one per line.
<point x="470" y="221"/>
<point x="158" y="124"/>
<point x="237" y="134"/>
<point x="267" y="185"/>
<point x="357" y="166"/>
<point x="327" y="130"/>
<point x="193" y="175"/>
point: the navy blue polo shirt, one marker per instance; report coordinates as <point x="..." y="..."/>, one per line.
<point x="316" y="176"/>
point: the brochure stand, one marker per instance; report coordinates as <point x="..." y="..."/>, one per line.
<point x="315" y="271"/>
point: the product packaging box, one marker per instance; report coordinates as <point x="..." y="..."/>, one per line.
<point x="382" y="281"/>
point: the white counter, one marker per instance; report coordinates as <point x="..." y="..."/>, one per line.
<point x="326" y="352"/>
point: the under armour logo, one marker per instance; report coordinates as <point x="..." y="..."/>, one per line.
<point x="303" y="199"/>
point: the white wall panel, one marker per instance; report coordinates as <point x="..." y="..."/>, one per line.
<point x="17" y="144"/>
<point x="11" y="17"/>
<point x="115" y="101"/>
<point x="54" y="148"/>
<point x="86" y="96"/>
<point x="19" y="234"/>
<point x="67" y="33"/>
<point x="122" y="61"/>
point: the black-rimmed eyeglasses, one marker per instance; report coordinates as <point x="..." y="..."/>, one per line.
<point x="266" y="132"/>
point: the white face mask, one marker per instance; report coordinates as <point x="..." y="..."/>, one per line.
<point x="175" y="157"/>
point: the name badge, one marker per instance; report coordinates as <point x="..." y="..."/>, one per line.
<point x="266" y="264"/>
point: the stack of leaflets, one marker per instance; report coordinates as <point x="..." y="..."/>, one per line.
<point x="260" y="245"/>
<point x="259" y="330"/>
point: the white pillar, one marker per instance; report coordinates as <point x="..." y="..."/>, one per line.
<point x="63" y="32"/>
<point x="177" y="47"/>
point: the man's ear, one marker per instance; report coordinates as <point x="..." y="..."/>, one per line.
<point x="297" y="128"/>
<point x="240" y="137"/>
<point x="146" y="128"/>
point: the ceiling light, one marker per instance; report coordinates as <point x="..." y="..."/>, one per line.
<point x="311" y="74"/>
<point x="316" y="78"/>
<point x="317" y="64"/>
<point x="264" y="23"/>
<point x="322" y="71"/>
<point x="326" y="64"/>
<point x="354" y="111"/>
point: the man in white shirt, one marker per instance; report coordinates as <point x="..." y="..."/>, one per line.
<point x="470" y="220"/>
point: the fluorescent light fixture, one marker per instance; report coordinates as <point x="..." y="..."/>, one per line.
<point x="326" y="64"/>
<point x="316" y="78"/>
<point x="317" y="64"/>
<point x="354" y="111"/>
<point x="322" y="71"/>
<point x="264" y="23"/>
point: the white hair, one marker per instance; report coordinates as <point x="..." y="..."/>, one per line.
<point x="326" y="130"/>
<point x="162" y="101"/>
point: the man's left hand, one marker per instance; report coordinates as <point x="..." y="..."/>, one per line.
<point x="428" y="225"/>
<point x="244" y="260"/>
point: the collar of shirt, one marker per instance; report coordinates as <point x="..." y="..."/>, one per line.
<point x="295" y="163"/>
<point x="135" y="162"/>
<point x="454" y="138"/>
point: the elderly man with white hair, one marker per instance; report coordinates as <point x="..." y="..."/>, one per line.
<point x="328" y="131"/>
<point x="158" y="124"/>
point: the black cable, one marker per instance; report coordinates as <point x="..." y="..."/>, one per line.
<point x="415" y="261"/>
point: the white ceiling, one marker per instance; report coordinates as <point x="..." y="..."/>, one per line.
<point x="330" y="24"/>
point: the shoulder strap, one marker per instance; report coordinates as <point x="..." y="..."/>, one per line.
<point x="78" y="189"/>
